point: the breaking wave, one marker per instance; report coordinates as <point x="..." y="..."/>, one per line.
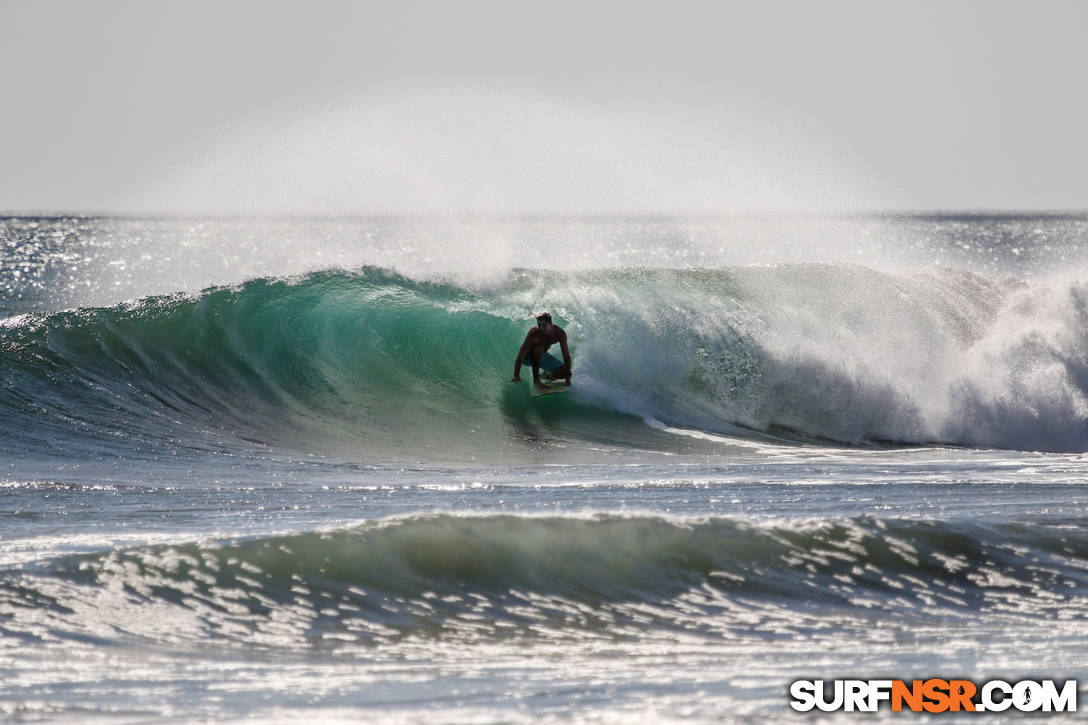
<point x="372" y="365"/>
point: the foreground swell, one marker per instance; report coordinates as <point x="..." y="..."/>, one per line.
<point x="463" y="577"/>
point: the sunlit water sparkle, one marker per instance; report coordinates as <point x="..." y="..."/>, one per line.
<point x="265" y="493"/>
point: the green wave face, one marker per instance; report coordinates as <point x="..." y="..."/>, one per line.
<point x="366" y="366"/>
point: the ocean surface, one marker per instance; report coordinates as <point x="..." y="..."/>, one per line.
<point x="271" y="469"/>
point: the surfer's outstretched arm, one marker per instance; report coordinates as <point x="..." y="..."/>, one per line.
<point x="566" y="357"/>
<point x="521" y="356"/>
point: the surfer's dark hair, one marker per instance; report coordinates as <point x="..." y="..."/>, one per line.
<point x="544" y="316"/>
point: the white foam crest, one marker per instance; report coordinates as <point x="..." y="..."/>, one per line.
<point x="1024" y="384"/>
<point x="840" y="352"/>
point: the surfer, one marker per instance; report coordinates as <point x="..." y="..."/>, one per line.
<point x="534" y="351"/>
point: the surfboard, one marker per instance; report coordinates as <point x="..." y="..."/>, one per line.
<point x="549" y="387"/>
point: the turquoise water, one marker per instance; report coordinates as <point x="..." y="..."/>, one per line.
<point x="269" y="469"/>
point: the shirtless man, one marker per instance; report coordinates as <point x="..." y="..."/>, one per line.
<point x="534" y="351"/>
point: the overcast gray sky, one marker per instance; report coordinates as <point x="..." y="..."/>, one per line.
<point x="329" y="106"/>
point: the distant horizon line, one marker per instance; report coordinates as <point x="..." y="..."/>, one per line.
<point x="511" y="215"/>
